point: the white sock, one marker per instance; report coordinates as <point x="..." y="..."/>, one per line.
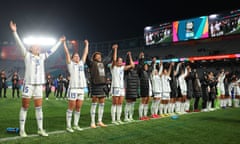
<point x="173" y="107"/>
<point x="145" y="111"/>
<point x="165" y="107"/>
<point x="100" y="112"/>
<point x="209" y="104"/>
<point x="236" y="102"/>
<point x="182" y="105"/>
<point x="153" y="106"/>
<point x="169" y="107"/>
<point x="131" y="112"/>
<point x="22" y="118"/>
<point x="119" y="112"/>
<point x="229" y="102"/>
<point x="93" y="112"/>
<point x="156" y="106"/>
<point x="160" y="108"/>
<point x="127" y="110"/>
<point x="221" y="102"/>
<point x="113" y="112"/>
<point x="224" y="102"/>
<point x="141" y="110"/>
<point x="69" y="118"/>
<point x="177" y="106"/>
<point x="187" y="105"/>
<point x="76" y="118"/>
<point x="39" y="117"/>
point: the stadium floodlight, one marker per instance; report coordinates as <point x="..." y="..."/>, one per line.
<point x="213" y="16"/>
<point x="43" y="41"/>
<point x="148" y="28"/>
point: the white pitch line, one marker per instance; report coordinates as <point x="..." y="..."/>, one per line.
<point x="64" y="131"/>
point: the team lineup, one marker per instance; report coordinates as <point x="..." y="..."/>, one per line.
<point x="169" y="86"/>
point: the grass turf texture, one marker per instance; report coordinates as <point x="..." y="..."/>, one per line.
<point x="221" y="126"/>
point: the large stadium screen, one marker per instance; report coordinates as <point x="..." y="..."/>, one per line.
<point x="224" y="23"/>
<point x="158" y="34"/>
<point x="195" y="28"/>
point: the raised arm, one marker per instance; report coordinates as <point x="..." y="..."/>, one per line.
<point x="13" y="27"/>
<point x="114" y="47"/>
<point x="131" y="65"/>
<point x="177" y="69"/>
<point x="170" y="69"/>
<point x="160" y="68"/>
<point x="85" y="53"/>
<point x="54" y="48"/>
<point x="68" y="58"/>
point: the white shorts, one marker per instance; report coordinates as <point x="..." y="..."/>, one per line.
<point x="118" y="91"/>
<point x="75" y="94"/>
<point x="222" y="90"/>
<point x="183" y="92"/>
<point x="166" y="96"/>
<point x="157" y="94"/>
<point x="30" y="91"/>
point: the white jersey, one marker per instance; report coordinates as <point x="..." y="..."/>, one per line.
<point x="166" y="83"/>
<point x="117" y="76"/>
<point x="156" y="84"/>
<point x="34" y="64"/>
<point x="182" y="82"/>
<point x="220" y="83"/>
<point x="34" y="69"/>
<point x="77" y="75"/>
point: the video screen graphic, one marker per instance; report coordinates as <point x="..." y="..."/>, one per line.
<point x="195" y="28"/>
<point x="225" y="23"/>
<point x="158" y="34"/>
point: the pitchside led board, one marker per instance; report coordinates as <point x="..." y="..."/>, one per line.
<point x="195" y="28"/>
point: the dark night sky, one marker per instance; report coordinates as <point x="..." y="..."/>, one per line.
<point x="99" y="20"/>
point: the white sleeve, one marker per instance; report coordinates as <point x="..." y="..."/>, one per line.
<point x="53" y="49"/>
<point x="160" y="69"/>
<point x="19" y="43"/>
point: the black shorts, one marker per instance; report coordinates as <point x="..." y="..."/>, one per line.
<point x="98" y="90"/>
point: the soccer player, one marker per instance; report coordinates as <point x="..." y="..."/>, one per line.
<point x="33" y="81"/>
<point x="145" y="88"/>
<point x="98" y="69"/>
<point x="157" y="90"/>
<point x="117" y="86"/>
<point x="166" y="90"/>
<point x="221" y="87"/>
<point x="183" y="88"/>
<point x="76" y="86"/>
<point x="132" y="86"/>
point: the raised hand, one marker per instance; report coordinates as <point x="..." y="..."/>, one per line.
<point x="13" y="26"/>
<point x="115" y="46"/>
<point x="129" y="53"/>
<point x="63" y="38"/>
<point x="86" y="42"/>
